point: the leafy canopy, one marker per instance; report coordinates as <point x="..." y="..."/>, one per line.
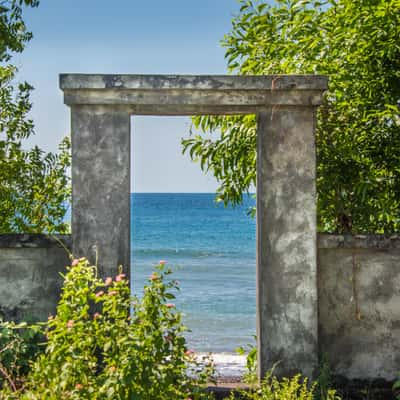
<point x="34" y="186"/>
<point x="357" y="44"/>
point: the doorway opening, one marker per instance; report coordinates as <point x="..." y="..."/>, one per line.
<point x="212" y="249"/>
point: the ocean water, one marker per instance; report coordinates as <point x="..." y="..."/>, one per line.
<point x="212" y="252"/>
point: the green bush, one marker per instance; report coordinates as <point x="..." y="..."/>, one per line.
<point x="250" y="376"/>
<point x="286" y="389"/>
<point x="97" y="349"/>
<point x="19" y="346"/>
<point x="396" y="388"/>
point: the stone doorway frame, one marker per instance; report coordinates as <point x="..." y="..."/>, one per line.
<point x="101" y="109"/>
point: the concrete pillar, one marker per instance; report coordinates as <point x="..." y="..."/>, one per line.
<point x="287" y="318"/>
<point x="101" y="186"/>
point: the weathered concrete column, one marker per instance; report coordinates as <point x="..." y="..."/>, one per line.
<point x="287" y="318"/>
<point x="101" y="186"/>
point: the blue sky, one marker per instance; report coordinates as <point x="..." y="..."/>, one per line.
<point x="127" y="36"/>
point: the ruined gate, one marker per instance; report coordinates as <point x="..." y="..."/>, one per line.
<point x="101" y="108"/>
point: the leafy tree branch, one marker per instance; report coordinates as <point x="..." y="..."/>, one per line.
<point x="34" y="185"/>
<point x="355" y="43"/>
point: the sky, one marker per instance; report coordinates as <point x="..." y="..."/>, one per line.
<point x="126" y="36"/>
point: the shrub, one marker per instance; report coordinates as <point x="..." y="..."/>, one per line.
<point x="96" y="350"/>
<point x="396" y="388"/>
<point x="19" y="346"/>
<point x="286" y="389"/>
<point x="250" y="376"/>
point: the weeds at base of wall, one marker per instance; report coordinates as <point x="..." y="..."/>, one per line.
<point x="20" y="345"/>
<point x="296" y="388"/>
<point x="96" y="349"/>
<point x="324" y="379"/>
<point x="250" y="376"/>
<point x="396" y="388"/>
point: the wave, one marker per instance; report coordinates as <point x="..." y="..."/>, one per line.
<point x="194" y="253"/>
<point x="180" y="252"/>
<point x="227" y="364"/>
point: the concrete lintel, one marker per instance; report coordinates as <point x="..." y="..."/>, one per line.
<point x="174" y="95"/>
<point x="193" y="82"/>
<point x="206" y="100"/>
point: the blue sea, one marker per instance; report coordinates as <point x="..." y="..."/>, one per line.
<point x="212" y="250"/>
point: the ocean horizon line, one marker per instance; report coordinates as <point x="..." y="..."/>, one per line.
<point x="182" y="193"/>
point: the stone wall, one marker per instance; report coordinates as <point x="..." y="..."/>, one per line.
<point x="359" y="305"/>
<point x="30" y="281"/>
<point x="358" y="284"/>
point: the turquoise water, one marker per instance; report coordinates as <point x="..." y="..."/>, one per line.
<point x="212" y="251"/>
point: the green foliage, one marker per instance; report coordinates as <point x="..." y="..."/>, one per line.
<point x="250" y="377"/>
<point x="324" y="382"/>
<point x="96" y="350"/>
<point x="355" y="43"/>
<point x="272" y="388"/>
<point x="396" y="388"/>
<point x="322" y="388"/>
<point x="34" y="187"/>
<point x="230" y="156"/>
<point x="13" y="33"/>
<point x="20" y="344"/>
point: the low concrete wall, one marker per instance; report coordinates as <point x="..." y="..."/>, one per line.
<point x="30" y="281"/>
<point x="358" y="296"/>
<point x="359" y="305"/>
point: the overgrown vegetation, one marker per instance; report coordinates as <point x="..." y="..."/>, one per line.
<point x="94" y="346"/>
<point x="96" y="350"/>
<point x="321" y="389"/>
<point x="250" y="376"/>
<point x="104" y="344"/>
<point x="396" y="388"/>
<point x="20" y="345"/>
<point x="34" y="185"/>
<point x="295" y="388"/>
<point x="355" y="43"/>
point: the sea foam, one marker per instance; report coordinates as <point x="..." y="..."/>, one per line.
<point x="227" y="364"/>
